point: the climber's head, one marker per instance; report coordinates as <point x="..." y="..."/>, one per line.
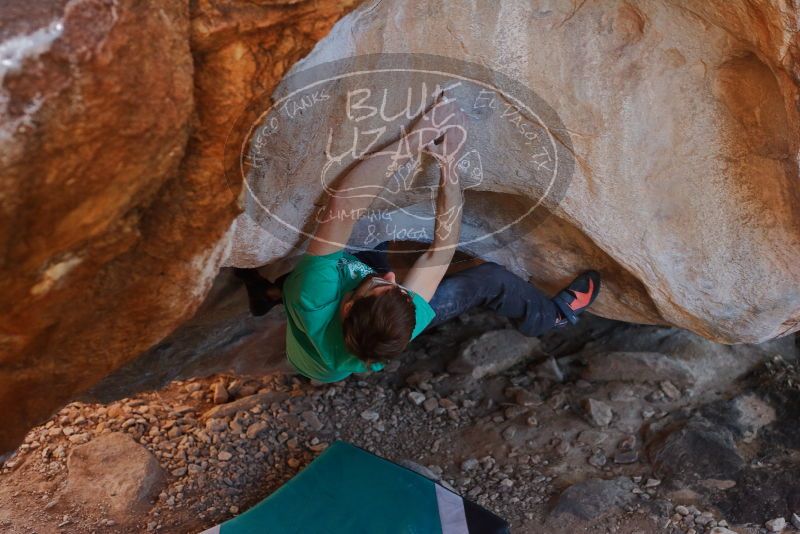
<point x="377" y="318"/>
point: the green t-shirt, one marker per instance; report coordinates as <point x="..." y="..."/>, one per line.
<point x="312" y="294"/>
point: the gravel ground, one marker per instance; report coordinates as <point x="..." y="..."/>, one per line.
<point x="531" y="440"/>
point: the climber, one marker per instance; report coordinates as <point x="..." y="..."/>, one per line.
<point x="348" y="313"/>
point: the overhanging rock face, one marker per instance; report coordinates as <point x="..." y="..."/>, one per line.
<point x="681" y="123"/>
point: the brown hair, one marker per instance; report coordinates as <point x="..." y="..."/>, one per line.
<point x="379" y="326"/>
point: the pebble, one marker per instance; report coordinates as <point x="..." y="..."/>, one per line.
<point x="195" y="469"/>
<point x="430" y="404"/>
<point x="447" y="404"/>
<point x="627" y="443"/>
<point x="312" y="420"/>
<point x="235" y="426"/>
<point x="224" y="456"/>
<point x="626" y="457"/>
<point x="255" y="429"/>
<point x="370" y="415"/>
<point x="669" y="389"/>
<point x="219" y="393"/>
<point x="318" y="447"/>
<point x="234" y="387"/>
<point x="549" y="369"/>
<point x="704" y="519"/>
<point x="598" y="412"/>
<point x="416" y="397"/>
<point x="598" y="459"/>
<point x="509" y="433"/>
<point x="513" y="411"/>
<point x="79" y="439"/>
<point x="469" y="464"/>
<point x="562" y="447"/>
<point x="526" y="398"/>
<point x="776" y="525"/>
<point x="557" y="400"/>
<point x="592" y="437"/>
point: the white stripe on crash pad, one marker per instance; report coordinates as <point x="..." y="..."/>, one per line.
<point x="212" y="530"/>
<point x="451" y="512"/>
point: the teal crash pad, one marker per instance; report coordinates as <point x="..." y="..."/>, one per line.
<point x="348" y="490"/>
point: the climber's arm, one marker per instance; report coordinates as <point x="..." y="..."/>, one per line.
<point x="427" y="272"/>
<point x="358" y="186"/>
<point x="345" y="207"/>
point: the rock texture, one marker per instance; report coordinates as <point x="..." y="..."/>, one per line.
<point x="113" y="201"/>
<point x="684" y="129"/>
<point x="591" y="499"/>
<point x="115" y="472"/>
<point x="493" y="353"/>
<point x="513" y="442"/>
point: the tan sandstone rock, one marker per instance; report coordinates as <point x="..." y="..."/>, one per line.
<point x="114" y="472"/>
<point x="682" y="122"/>
<point x="113" y="201"/>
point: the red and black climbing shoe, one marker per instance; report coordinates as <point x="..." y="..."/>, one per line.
<point x="576" y="297"/>
<point x="259" y="291"/>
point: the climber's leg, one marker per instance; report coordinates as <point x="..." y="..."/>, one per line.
<point x="491" y="286"/>
<point x="262" y="294"/>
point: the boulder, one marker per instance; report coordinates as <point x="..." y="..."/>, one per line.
<point x="656" y="354"/>
<point x="592" y="499"/>
<point x="679" y="144"/>
<point x="695" y="449"/>
<point x="494" y="352"/>
<point x="115" y="473"/>
<point x="113" y="199"/>
<point x="637" y="367"/>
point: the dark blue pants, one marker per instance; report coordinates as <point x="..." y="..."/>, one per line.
<point x="488" y="285"/>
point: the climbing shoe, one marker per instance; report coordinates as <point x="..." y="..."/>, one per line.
<point x="259" y="290"/>
<point x="576" y="297"/>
